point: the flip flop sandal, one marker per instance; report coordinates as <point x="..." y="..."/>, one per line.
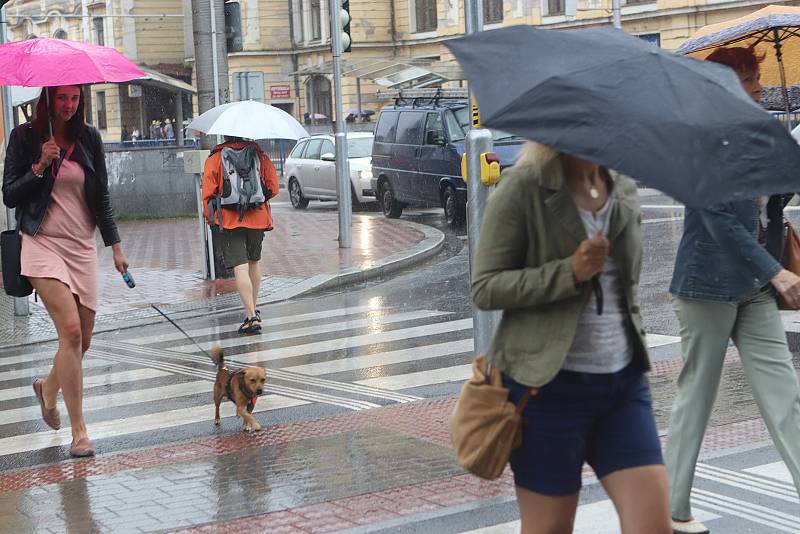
<point x="83" y="449"/>
<point x="49" y="415"/>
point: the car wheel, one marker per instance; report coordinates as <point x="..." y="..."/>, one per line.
<point x="454" y="214"/>
<point x="391" y="207"/>
<point x="299" y="202"/>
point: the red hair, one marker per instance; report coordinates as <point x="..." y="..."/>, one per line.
<point x="741" y="59"/>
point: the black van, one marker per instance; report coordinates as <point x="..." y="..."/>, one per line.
<point x="416" y="156"/>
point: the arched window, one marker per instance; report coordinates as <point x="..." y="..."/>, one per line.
<point x="318" y="99"/>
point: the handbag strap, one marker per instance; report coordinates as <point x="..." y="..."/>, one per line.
<point x="524" y="401"/>
<point x="525" y="398"/>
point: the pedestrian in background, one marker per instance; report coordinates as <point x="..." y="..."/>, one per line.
<point x="59" y="188"/>
<point x="167" y="130"/>
<point x="727" y="272"/>
<point x="155" y="130"/>
<point x="560" y="254"/>
<point x="125" y="135"/>
<point x="243" y="224"/>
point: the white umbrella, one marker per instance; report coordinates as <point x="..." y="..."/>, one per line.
<point x="249" y="119"/>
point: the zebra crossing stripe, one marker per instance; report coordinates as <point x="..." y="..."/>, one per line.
<point x="142" y="423"/>
<point x="269" y="323"/>
<point x="48" y="355"/>
<point x="282" y="335"/>
<point x="31" y="372"/>
<point x="111" y="400"/>
<point x="745" y="510"/>
<point x="89" y="382"/>
<point x="457" y="373"/>
<point x="774" y="471"/>
<point x="161" y="355"/>
<point x="594" y="518"/>
<point x="352" y="342"/>
<point x="211" y="376"/>
<point x="413" y="354"/>
<point x="776" y="490"/>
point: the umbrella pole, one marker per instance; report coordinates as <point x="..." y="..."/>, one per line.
<point x="49" y="112"/>
<point x="784" y="90"/>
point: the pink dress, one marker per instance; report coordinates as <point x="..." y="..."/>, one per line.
<point x="64" y="248"/>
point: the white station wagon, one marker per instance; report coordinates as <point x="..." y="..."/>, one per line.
<point x="311" y="169"/>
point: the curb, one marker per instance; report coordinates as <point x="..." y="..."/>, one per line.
<point x="430" y="245"/>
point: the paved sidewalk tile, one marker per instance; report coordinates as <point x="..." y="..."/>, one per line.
<point x="166" y="258"/>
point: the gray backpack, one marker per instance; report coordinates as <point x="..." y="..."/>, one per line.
<point x="241" y="181"/>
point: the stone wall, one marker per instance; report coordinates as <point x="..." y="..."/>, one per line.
<point x="150" y="182"/>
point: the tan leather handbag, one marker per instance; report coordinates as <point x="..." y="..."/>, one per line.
<point x="485" y="426"/>
<point x="791" y="257"/>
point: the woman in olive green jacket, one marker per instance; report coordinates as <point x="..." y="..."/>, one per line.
<point x="560" y="253"/>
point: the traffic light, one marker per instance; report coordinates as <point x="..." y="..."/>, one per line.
<point x="345" y="20"/>
<point x="233" y="27"/>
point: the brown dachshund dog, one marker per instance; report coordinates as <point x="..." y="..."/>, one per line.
<point x="241" y="386"/>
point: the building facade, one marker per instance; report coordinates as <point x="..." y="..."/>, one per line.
<point x="149" y="32"/>
<point x="286" y="59"/>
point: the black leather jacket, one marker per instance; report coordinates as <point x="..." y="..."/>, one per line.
<point x="30" y="195"/>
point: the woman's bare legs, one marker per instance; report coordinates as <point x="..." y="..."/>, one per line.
<point x="542" y="514"/>
<point x="641" y="497"/>
<point x="67" y="372"/>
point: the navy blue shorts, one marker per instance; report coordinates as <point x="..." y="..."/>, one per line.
<point x="605" y="420"/>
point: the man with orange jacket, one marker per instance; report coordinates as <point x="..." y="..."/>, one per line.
<point x="242" y="231"/>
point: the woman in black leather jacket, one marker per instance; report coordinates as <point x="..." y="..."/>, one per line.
<point x="59" y="187"/>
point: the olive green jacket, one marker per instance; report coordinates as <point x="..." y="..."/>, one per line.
<point x="522" y="266"/>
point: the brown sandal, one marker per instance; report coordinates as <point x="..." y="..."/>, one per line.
<point x="82" y="449"/>
<point x="49" y="415"/>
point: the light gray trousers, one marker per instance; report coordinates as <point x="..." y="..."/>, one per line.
<point x="757" y="331"/>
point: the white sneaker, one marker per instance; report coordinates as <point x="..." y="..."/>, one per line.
<point x="692" y="526"/>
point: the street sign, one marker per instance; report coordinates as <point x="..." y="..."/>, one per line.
<point x="280" y="91"/>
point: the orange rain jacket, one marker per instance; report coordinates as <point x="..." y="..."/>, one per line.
<point x="257" y="219"/>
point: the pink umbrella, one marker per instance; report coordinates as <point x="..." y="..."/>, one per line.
<point x="46" y="62"/>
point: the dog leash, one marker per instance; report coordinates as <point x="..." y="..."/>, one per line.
<point x="190" y="338"/>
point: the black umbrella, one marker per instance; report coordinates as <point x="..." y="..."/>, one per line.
<point x="680" y="125"/>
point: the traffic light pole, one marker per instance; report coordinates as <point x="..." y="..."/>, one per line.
<point x="479" y="140"/>
<point x="21" y="305"/>
<point x="342" y="164"/>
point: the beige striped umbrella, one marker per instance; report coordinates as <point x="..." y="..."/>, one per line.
<point x="773" y="31"/>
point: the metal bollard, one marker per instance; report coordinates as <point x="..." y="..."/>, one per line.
<point x="479" y="140"/>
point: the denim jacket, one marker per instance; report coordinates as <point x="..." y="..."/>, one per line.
<point x="719" y="257"/>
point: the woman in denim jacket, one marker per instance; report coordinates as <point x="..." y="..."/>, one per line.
<point x="724" y="287"/>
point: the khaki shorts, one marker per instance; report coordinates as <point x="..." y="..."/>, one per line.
<point x="240" y="245"/>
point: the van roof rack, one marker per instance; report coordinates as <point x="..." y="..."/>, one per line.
<point x="430" y="96"/>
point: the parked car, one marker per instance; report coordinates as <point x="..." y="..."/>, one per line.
<point x="416" y="156"/>
<point x="311" y="169"/>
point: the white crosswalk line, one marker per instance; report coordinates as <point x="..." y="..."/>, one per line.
<point x="269" y="323"/>
<point x="31" y="372"/>
<point x="281" y="335"/>
<point x="775" y="470"/>
<point x="28" y="358"/>
<point x="595" y="518"/>
<point x="354" y="341"/>
<point x="659" y="340"/>
<point x="750" y="511"/>
<point x="385" y="358"/>
<point x="133" y="425"/>
<point x="770" y="488"/>
<point x="457" y="373"/>
<point x="107" y="379"/>
<point x="113" y="400"/>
